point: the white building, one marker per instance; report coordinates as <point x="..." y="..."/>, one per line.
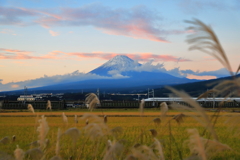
<point x="26" y="98"/>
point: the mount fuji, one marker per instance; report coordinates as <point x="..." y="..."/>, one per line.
<point x="118" y="63"/>
<point x="121" y="72"/>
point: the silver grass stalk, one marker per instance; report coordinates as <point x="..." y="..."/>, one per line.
<point x="195" y="144"/>
<point x="210" y="147"/>
<point x="114" y="150"/>
<point x="65" y="119"/>
<point x="158" y="147"/>
<point x="136" y="154"/>
<point x="205" y="121"/>
<point x="141" y="106"/>
<point x="93" y="118"/>
<point x="35" y="153"/>
<point x="30" y="108"/>
<point x="74" y="133"/>
<point x="147" y="153"/>
<point x="58" y="142"/>
<point x="18" y="153"/>
<point x="94" y="131"/>
<point x="116" y="131"/>
<point x="94" y="124"/>
<point x="49" y="105"/>
<point x="92" y="101"/>
<point x="179" y="118"/>
<point x="204" y="39"/>
<point x="43" y="130"/>
<point x="164" y="108"/>
<point x="215" y="146"/>
<point x="34" y="144"/>
<point x="228" y="85"/>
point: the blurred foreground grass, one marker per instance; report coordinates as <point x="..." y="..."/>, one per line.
<point x="135" y="130"/>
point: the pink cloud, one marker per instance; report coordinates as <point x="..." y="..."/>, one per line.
<point x="46" y="13"/>
<point x="134" y="56"/>
<point x="137" y="22"/>
<point x="19" y="54"/>
<point x="53" y="33"/>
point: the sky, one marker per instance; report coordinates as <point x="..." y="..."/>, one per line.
<point x="44" y="42"/>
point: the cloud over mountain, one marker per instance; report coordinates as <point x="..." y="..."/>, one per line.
<point x="50" y="80"/>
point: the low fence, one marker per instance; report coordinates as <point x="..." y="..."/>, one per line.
<point x="149" y="104"/>
<point x="107" y="104"/>
<point x="35" y="104"/>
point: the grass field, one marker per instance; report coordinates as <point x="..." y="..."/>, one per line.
<point x="116" y="138"/>
<point x="195" y="134"/>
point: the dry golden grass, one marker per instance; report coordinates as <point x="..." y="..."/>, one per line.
<point x="129" y="134"/>
<point x="132" y="129"/>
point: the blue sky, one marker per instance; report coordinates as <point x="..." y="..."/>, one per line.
<point x="44" y="42"/>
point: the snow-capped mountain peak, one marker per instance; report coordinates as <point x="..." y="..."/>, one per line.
<point x="120" y="62"/>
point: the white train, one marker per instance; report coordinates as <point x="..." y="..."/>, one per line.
<point x="176" y="99"/>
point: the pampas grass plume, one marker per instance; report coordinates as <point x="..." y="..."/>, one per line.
<point x="158" y="147"/>
<point x="74" y="133"/>
<point x="179" y="118"/>
<point x="43" y="130"/>
<point x="49" y="105"/>
<point x="35" y="153"/>
<point x="30" y="108"/>
<point x="164" y="108"/>
<point x="141" y="107"/>
<point x="58" y="142"/>
<point x="18" y="153"/>
<point x="195" y="144"/>
<point x="65" y="119"/>
<point x="92" y="101"/>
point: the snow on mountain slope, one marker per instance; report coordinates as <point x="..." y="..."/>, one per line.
<point x="119" y="63"/>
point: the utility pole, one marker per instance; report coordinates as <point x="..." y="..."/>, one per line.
<point x="151" y="93"/>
